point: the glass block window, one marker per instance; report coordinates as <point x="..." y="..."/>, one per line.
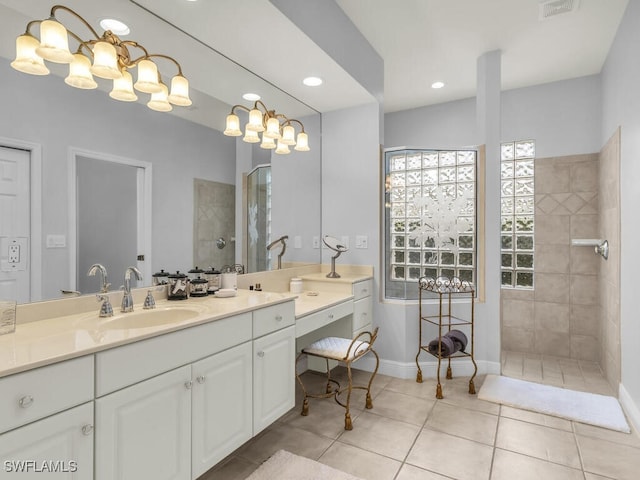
<point x="422" y="235"/>
<point x="517" y="213"/>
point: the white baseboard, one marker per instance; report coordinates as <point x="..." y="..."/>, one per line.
<point x="630" y="408"/>
<point x="408" y="370"/>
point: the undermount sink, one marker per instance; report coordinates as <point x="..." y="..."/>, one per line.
<point x="148" y="318"/>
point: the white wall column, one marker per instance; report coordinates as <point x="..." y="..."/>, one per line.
<point x="488" y="124"/>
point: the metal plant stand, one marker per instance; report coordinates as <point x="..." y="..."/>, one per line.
<point x="444" y="290"/>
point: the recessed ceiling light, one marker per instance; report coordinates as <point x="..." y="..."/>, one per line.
<point x="312" y="81"/>
<point x="116" y="26"/>
<point x="437" y="85"/>
<point x="252" y="97"/>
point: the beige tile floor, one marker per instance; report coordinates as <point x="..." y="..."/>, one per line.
<point x="410" y="435"/>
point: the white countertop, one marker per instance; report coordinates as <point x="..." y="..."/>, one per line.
<point x="43" y="342"/>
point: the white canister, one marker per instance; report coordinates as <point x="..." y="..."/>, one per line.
<point x="229" y="280"/>
<point x="295" y="285"/>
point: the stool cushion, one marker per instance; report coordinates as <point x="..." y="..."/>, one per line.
<point x="336" y="348"/>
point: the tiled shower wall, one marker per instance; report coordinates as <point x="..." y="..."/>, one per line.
<point x="560" y="316"/>
<point x="214" y="218"/>
<point x="610" y="269"/>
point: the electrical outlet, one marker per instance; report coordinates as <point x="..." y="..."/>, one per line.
<point x="14" y="253"/>
<point x="362" y="241"/>
<point x="316" y="242"/>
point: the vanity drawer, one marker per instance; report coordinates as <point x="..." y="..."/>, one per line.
<point x="362" y="289"/>
<point x="38" y="393"/>
<point x="361" y="313"/>
<point x="328" y="315"/>
<point x="275" y="317"/>
<point x="119" y="367"/>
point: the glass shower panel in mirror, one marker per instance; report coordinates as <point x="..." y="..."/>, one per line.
<point x="258" y="221"/>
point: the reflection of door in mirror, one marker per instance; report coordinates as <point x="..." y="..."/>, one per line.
<point x="109" y="220"/>
<point x="214" y="224"/>
<point x="258" y="221"/>
<point x="14" y="224"/>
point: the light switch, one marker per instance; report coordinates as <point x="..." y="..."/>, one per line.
<point x="56" y="241"/>
<point x="362" y="241"/>
<point x="316" y="242"/>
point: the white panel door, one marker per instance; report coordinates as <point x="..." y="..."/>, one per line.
<point x="273" y="377"/>
<point x="144" y="431"/>
<point x="62" y="443"/>
<point x="15" y="218"/>
<point x="222" y="406"/>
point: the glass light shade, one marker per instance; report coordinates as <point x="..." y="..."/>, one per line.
<point x="268" y="143"/>
<point x="27" y="60"/>
<point x="255" y="121"/>
<point x="79" y="73"/>
<point x="250" y="136"/>
<point x="232" y="128"/>
<point x="180" y="91"/>
<point x="282" y="148"/>
<point x="273" y="128"/>
<point x="105" y="61"/>
<point x="302" y="144"/>
<point x="123" y="88"/>
<point x="54" y="42"/>
<point x="288" y="135"/>
<point x="159" y="101"/>
<point x="147" y="77"/>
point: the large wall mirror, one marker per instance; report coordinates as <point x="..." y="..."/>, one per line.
<point x="189" y="156"/>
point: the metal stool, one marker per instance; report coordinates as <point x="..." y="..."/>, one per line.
<point x="343" y="350"/>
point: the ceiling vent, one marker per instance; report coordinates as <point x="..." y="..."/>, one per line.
<point x="551" y="8"/>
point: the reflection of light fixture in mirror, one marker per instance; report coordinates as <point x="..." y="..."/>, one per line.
<point x="337" y="247"/>
<point x="273" y="127"/>
<point x="105" y="56"/>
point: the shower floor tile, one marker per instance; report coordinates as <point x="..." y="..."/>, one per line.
<point x="584" y="376"/>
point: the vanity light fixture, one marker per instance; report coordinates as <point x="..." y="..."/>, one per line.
<point x="105" y="56"/>
<point x="274" y="127"/>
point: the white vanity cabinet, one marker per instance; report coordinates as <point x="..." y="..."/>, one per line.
<point x="61" y="443"/>
<point x="273" y="364"/>
<point x="46" y="421"/>
<point x="222" y="406"/>
<point x="229" y="379"/>
<point x="362" y="306"/>
<point x="144" y="431"/>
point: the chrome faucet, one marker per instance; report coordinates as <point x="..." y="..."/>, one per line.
<point x="127" y="299"/>
<point x="96" y="267"/>
<point x="284" y="248"/>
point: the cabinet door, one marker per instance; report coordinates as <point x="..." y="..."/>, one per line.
<point x="144" y="431"/>
<point x="62" y="443"/>
<point x="273" y="377"/>
<point x="222" y="405"/>
<point x="362" y="313"/>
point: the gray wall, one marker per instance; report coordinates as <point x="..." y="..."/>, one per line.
<point x="621" y="107"/>
<point x="44" y="110"/>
